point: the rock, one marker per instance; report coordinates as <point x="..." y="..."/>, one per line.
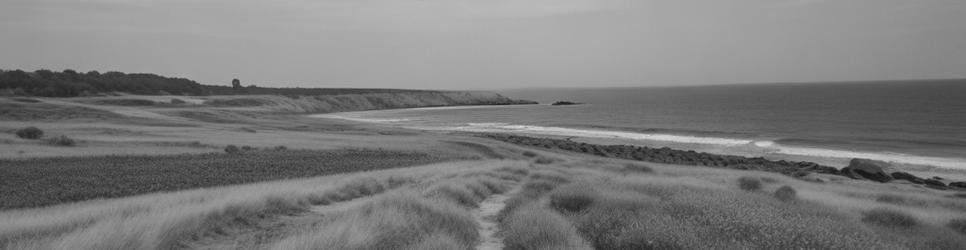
<point x="907" y="176"/>
<point x="867" y="169"/>
<point x="560" y="103"/>
<point x="935" y="184"/>
<point x="958" y="184"/>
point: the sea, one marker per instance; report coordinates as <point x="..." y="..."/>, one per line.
<point x="911" y="123"/>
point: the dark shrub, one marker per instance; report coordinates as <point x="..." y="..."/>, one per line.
<point x="958" y="225"/>
<point x="62" y="140"/>
<point x="572" y="199"/>
<point x="749" y="183"/>
<point x="529" y="154"/>
<point x="785" y="193"/>
<point x="247" y="148"/>
<point x="889" y="218"/>
<point x="637" y="168"/>
<point x="232" y="149"/>
<point x="177" y="101"/>
<point x="544" y="160"/>
<point x="32" y="133"/>
<point x="280" y="148"/>
<point x="892" y="199"/>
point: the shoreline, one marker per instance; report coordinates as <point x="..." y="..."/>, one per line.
<point x="748" y="146"/>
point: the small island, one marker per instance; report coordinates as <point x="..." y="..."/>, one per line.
<point x="561" y="103"/>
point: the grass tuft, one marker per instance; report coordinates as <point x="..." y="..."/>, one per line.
<point x="62" y="141"/>
<point x="749" y="183"/>
<point x="785" y="193"/>
<point x="573" y="198"/>
<point x="889" y="218"/>
<point x="31" y="133"/>
<point x="637" y="168"/>
<point x="532" y="227"/>
<point x="958" y="225"/>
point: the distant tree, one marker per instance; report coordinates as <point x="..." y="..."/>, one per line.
<point x="235" y="83"/>
<point x="44" y="73"/>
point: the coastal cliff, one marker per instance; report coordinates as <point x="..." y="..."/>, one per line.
<point x="365" y="101"/>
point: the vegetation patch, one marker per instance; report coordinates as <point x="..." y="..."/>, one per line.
<point x="573" y="198"/>
<point x="61" y="141"/>
<point x="785" y="193"/>
<point x="889" y="218"/>
<point x="125" y="102"/>
<point x="749" y="183"/>
<point x="958" y="225"/>
<point x="637" y="168"/>
<point x="31" y="133"/>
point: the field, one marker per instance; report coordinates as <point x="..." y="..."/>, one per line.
<point x="49" y="181"/>
<point x="149" y="178"/>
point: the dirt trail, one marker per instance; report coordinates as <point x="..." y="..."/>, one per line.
<point x="486" y="216"/>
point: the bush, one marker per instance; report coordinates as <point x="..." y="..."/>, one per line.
<point x="62" y="140"/>
<point x="31" y="133"/>
<point x="889" y="218"/>
<point x="545" y="160"/>
<point x="529" y="154"/>
<point x="785" y="193"/>
<point x="749" y="183"/>
<point x="177" y="101"/>
<point x="247" y="148"/>
<point x="280" y="148"/>
<point x="232" y="149"/>
<point x="573" y="198"/>
<point x="958" y="225"/>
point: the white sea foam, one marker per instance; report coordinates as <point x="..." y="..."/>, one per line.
<point x="353" y="117"/>
<point x="529" y="129"/>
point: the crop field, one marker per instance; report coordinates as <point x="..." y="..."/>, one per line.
<point x="48" y="181"/>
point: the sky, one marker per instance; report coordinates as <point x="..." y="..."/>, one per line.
<point x="490" y="44"/>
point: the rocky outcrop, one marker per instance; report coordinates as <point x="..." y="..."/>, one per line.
<point x="671" y="156"/>
<point x="908" y="177"/>
<point x="958" y="184"/>
<point x="936" y="184"/>
<point x="867" y="169"/>
<point x="562" y="103"/>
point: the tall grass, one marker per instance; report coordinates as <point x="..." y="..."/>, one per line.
<point x="535" y="228"/>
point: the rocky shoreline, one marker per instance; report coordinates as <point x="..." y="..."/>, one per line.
<point x="861" y="169"/>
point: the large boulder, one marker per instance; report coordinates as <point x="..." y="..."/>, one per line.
<point x="867" y="169"/>
<point x="907" y="176"/>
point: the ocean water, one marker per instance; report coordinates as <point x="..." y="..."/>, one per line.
<point x="913" y="122"/>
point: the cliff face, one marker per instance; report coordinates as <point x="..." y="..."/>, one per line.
<point x="359" y="102"/>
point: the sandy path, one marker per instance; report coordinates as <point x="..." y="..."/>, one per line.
<point x="486" y="216"/>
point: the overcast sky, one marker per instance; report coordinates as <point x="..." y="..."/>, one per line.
<point x="489" y="44"/>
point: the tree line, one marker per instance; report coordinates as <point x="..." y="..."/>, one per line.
<point x="70" y="83"/>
